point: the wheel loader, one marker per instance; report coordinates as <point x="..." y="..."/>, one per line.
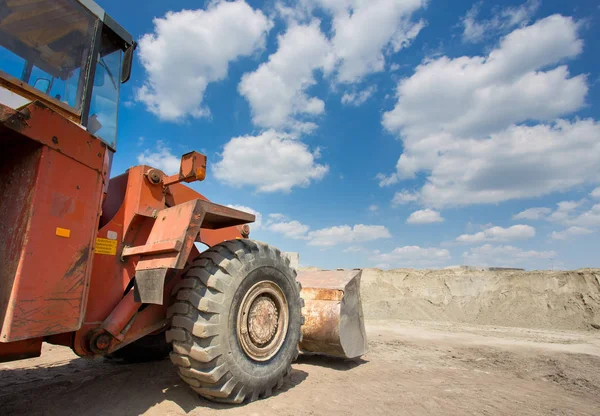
<point x="113" y="266"/>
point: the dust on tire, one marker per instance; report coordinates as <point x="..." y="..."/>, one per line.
<point x="204" y="315"/>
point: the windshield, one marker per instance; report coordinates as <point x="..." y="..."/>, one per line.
<point x="46" y="43"/>
<point x="105" y="95"/>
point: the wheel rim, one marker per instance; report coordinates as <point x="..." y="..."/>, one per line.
<point x="262" y="321"/>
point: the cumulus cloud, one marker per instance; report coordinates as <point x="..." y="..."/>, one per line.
<point x="499" y="234"/>
<point x="413" y="256"/>
<point x="564" y="210"/>
<point x="443" y="116"/>
<point x="276" y="91"/>
<point x="353" y="249"/>
<point x="160" y="158"/>
<point x="505" y="256"/>
<point x="589" y="218"/>
<point x="404" y="197"/>
<point x="192" y="48"/>
<point x="476" y="30"/>
<point x="595" y="193"/>
<point x="344" y="234"/>
<point x="567" y="213"/>
<point x="532" y="214"/>
<point x="290" y="229"/>
<point x="364" y="32"/>
<point x="270" y="162"/>
<point x="326" y="237"/>
<point x="257" y="222"/>
<point x="570" y="232"/>
<point x="424" y="216"/>
<point x="356" y="98"/>
<point x="373" y="208"/>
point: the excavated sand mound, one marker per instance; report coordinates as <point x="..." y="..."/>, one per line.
<point x="537" y="299"/>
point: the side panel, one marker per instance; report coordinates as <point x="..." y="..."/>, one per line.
<point x="50" y="283"/>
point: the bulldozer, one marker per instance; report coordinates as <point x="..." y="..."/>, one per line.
<point x="138" y="266"/>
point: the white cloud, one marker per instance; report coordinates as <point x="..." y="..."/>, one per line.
<point x="386" y="180"/>
<point x="413" y="256"/>
<point x="404" y="197"/>
<point x="505" y="256"/>
<point x="326" y="237"/>
<point x="161" y="158"/>
<point x="192" y="48"/>
<point x="373" y="208"/>
<point x="345" y="234"/>
<point x="276" y="91"/>
<point x="475" y="30"/>
<point x="443" y="118"/>
<point x="595" y="193"/>
<point x="290" y="229"/>
<point x="271" y="162"/>
<point x="356" y="98"/>
<point x="590" y="218"/>
<point x="353" y="249"/>
<point x="499" y="234"/>
<point x="570" y="232"/>
<point x="365" y="31"/>
<point x="362" y="34"/>
<point x="424" y="216"/>
<point x="569" y="213"/>
<point x="564" y="210"/>
<point x="532" y="214"/>
<point x="276" y="217"/>
<point x="257" y="222"/>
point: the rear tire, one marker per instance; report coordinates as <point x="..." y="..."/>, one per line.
<point x="235" y="324"/>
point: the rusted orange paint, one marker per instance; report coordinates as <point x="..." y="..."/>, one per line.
<point x="48" y="287"/>
<point x="55" y="287"/>
<point x="19" y="350"/>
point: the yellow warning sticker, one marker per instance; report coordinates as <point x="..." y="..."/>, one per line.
<point x="106" y="246"/>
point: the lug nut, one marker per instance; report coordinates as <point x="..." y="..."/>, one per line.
<point x="103" y="342"/>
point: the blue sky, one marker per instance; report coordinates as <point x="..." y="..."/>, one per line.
<point x="380" y="133"/>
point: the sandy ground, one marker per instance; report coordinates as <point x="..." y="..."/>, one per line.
<point x="414" y="368"/>
<point x="566" y="300"/>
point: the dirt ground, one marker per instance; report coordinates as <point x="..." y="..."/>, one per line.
<point x="414" y="368"/>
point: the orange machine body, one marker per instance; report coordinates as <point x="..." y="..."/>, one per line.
<point x="89" y="262"/>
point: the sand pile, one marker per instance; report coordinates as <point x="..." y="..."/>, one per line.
<point x="537" y="299"/>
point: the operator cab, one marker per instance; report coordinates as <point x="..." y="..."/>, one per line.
<point x="68" y="54"/>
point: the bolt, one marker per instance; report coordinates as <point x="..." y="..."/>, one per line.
<point x="154" y="176"/>
<point x="245" y="231"/>
<point x="103" y="342"/>
<point x="54" y="139"/>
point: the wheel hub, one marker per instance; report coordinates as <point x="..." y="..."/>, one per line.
<point x="262" y="321"/>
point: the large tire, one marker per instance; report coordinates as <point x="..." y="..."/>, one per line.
<point x="210" y="348"/>
<point x="149" y="348"/>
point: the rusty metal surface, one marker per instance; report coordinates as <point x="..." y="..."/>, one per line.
<point x="192" y="168"/>
<point x="328" y="279"/>
<point x="20" y="350"/>
<point x="178" y="225"/>
<point x="130" y="211"/>
<point x="18" y="171"/>
<point x="178" y="193"/>
<point x="142" y="198"/>
<point x="116" y="322"/>
<point x="50" y="282"/>
<point x="219" y="216"/>
<point x="27" y="91"/>
<point x="65" y="136"/>
<point x="334" y="322"/>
